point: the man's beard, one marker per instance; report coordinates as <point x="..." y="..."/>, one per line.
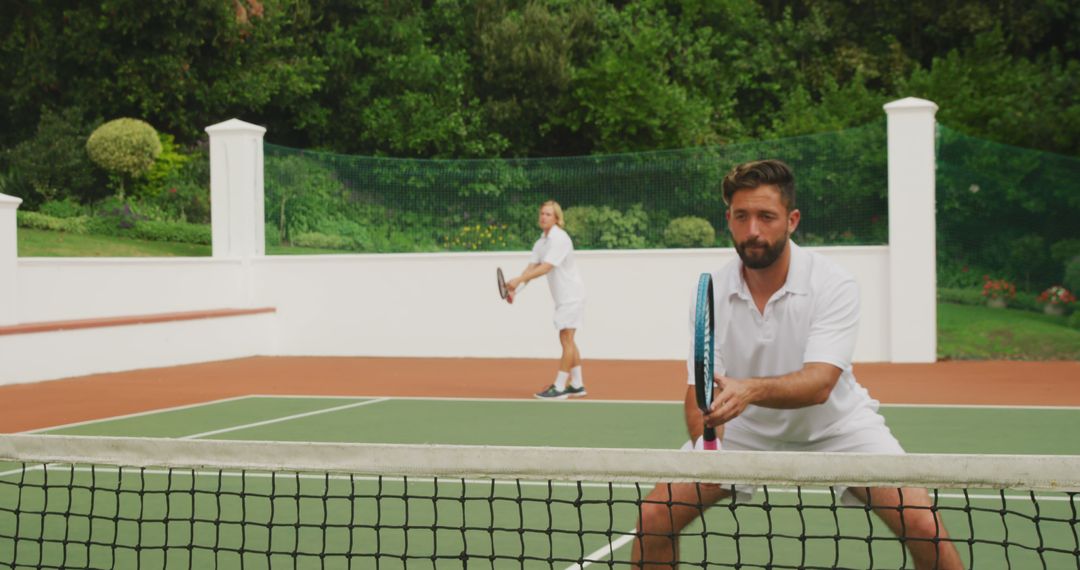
<point x="760" y="258"/>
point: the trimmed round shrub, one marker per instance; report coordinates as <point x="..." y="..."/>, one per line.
<point x="689" y="231"/>
<point x="126" y="147"/>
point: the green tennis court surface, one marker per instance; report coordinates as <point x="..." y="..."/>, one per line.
<point x="101" y="518"/>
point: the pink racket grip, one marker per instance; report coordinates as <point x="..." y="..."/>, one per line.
<point x="709" y="445"/>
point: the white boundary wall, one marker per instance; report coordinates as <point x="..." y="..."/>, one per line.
<point x="447" y="305"/>
<point x="425" y="304"/>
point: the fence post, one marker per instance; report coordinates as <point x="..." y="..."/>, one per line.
<point x="912" y="231"/>
<point x="236" y="189"/>
<point x="9" y="260"/>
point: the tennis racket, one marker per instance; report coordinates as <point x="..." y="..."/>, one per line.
<point x="503" y="291"/>
<point x="703" y="352"/>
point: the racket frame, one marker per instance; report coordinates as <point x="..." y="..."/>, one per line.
<point x="704" y="351"/>
<point x="503" y="291"/>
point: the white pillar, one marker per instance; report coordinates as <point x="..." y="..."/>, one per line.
<point x="912" y="231"/>
<point x="236" y="189"/>
<point x="9" y="260"/>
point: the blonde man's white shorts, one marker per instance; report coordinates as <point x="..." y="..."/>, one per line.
<point x="865" y="433"/>
<point x="570" y="315"/>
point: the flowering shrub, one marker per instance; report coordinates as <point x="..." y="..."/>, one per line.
<point x="479" y="237"/>
<point x="1057" y="295"/>
<point x="997" y="288"/>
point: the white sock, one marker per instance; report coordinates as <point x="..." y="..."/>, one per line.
<point x="575" y="377"/>
<point x="560" y="380"/>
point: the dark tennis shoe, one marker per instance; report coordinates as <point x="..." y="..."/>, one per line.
<point x="553" y="393"/>
<point x="575" y="392"/>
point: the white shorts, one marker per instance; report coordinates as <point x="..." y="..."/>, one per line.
<point x="570" y="315"/>
<point x="866" y="434"/>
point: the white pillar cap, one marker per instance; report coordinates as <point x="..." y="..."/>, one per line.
<point x="10" y="201"/>
<point x="910" y="104"/>
<point x="235" y="126"/>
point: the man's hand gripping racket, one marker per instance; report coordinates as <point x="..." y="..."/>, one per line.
<point x="506" y="292"/>
<point x="704" y="321"/>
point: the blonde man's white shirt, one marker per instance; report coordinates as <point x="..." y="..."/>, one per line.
<point x="564" y="280"/>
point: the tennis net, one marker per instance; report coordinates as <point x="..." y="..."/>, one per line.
<point x="77" y="502"/>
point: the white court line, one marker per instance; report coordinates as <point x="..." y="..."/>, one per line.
<point x="285" y="418"/>
<point x="136" y="414"/>
<point x="663" y="402"/>
<point x="605" y="552"/>
<point x="526" y="400"/>
<point x="234" y="428"/>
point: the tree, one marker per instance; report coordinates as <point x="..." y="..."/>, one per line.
<point x="126" y="148"/>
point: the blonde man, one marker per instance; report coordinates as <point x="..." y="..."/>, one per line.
<point x="553" y="255"/>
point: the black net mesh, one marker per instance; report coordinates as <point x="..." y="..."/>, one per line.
<point x="82" y="516"/>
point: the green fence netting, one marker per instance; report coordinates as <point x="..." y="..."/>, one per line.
<point x="370" y="204"/>
<point x="1005" y="212"/>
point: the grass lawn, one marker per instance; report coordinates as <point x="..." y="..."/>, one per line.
<point x="41" y="243"/>
<point x="982" y="333"/>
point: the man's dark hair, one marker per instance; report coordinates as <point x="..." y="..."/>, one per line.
<point x="750" y="175"/>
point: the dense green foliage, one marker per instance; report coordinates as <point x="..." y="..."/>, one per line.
<point x="52" y="164"/>
<point x="422" y="79"/>
<point x="483" y="78"/>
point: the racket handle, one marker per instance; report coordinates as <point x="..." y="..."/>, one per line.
<point x="709" y="439"/>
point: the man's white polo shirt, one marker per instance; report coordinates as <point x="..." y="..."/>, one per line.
<point x="814" y="317"/>
<point x="564" y="280"/>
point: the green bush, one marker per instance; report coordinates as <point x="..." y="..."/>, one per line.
<point x="126" y="222"/>
<point x="322" y="241"/>
<point x="1074" y="320"/>
<point x="66" y="208"/>
<point x="954" y="275"/>
<point x="1064" y="250"/>
<point x="1072" y="275"/>
<point x="142" y="220"/>
<point x="272" y="238"/>
<point x="689" y="231"/>
<point x="176" y="232"/>
<point x="126" y="148"/>
<point x="301" y="194"/>
<point x="39" y="221"/>
<point x="602" y="227"/>
<point x="960" y="296"/>
<point x="1025" y="301"/>
<point x="185" y="194"/>
<point x="165" y="168"/>
<point x="53" y="164"/>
